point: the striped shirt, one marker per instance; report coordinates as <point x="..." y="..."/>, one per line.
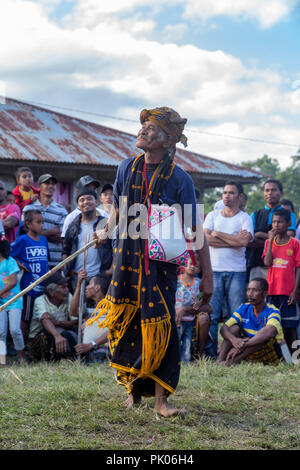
<point x="54" y="216"/>
<point x="245" y="317"/>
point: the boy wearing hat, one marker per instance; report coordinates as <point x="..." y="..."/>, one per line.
<point x="85" y="182"/>
<point x="85" y="224"/>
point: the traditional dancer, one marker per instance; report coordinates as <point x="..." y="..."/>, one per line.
<point x="140" y="302"/>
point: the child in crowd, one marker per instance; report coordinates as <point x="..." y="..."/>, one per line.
<point x="31" y="252"/>
<point x="186" y="296"/>
<point x="282" y="256"/>
<point x="24" y="193"/>
<point x="9" y="287"/>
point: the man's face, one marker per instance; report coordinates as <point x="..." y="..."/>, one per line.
<point x="230" y="195"/>
<point x="61" y="293"/>
<point x="151" y="137"/>
<point x="255" y="294"/>
<point x="90" y="289"/>
<point x="48" y="188"/>
<point x="279" y="224"/>
<point x="272" y="193"/>
<point x="25" y="179"/>
<point x="107" y="197"/>
<point x="87" y="203"/>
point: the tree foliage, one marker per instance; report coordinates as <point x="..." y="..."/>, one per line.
<point x="289" y="177"/>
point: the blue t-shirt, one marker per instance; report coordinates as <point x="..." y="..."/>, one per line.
<point x="8" y="267"/>
<point x="179" y="189"/>
<point x="245" y="317"/>
<point x="34" y="255"/>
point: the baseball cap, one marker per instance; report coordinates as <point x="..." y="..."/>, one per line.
<point x="46" y="177"/>
<point x="56" y="278"/>
<point x="85" y="180"/>
<point x="106" y="187"/>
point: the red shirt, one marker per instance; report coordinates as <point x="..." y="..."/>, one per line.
<point x="21" y="203"/>
<point x="281" y="275"/>
<point x="10" y="210"/>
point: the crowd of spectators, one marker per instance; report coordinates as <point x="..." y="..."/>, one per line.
<point x="255" y="259"/>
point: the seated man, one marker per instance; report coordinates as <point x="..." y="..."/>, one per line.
<point x="254" y="330"/>
<point x="52" y="330"/>
<point x="95" y="291"/>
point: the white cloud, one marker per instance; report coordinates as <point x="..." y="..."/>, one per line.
<point x="266" y="12"/>
<point x="109" y="66"/>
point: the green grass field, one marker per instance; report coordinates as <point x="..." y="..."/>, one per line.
<point x="74" y="406"/>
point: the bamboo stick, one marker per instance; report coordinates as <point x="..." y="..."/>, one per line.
<point x="48" y="274"/>
<point x="81" y="301"/>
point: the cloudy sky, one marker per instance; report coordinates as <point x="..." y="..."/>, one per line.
<point x="231" y="67"/>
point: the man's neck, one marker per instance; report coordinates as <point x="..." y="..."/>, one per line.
<point x="55" y="302"/>
<point x="273" y="206"/>
<point x="45" y="200"/>
<point x="97" y="298"/>
<point x="231" y="211"/>
<point x="260" y="307"/>
<point x="154" y="156"/>
<point x="88" y="217"/>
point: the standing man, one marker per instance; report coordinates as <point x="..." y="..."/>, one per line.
<point x="228" y="233"/>
<point x="262" y="224"/>
<point x="53" y="214"/>
<point x="97" y="261"/>
<point x="140" y="302"/>
<point x="10" y="215"/>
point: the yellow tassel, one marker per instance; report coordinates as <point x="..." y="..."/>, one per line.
<point x="156" y="337"/>
<point x="118" y="317"/>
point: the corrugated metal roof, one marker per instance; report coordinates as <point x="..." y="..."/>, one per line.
<point x="32" y="133"/>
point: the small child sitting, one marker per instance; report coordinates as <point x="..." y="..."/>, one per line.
<point x="187" y="308"/>
<point x="24" y="193"/>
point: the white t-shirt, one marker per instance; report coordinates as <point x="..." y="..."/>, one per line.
<point x="93" y="261"/>
<point x="228" y="259"/>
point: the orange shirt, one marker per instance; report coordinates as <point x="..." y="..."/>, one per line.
<point x="286" y="258"/>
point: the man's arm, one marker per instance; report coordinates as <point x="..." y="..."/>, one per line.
<point x="235" y="241"/>
<point x="84" y="348"/>
<point x="268" y="258"/>
<point x="60" y="341"/>
<point x="237" y="343"/>
<point x="206" y="285"/>
<point x="10" y="222"/>
<point x="76" y="296"/>
<point x="53" y="235"/>
<point x="293" y="296"/>
<point x="214" y="241"/>
<point x="263" y="336"/>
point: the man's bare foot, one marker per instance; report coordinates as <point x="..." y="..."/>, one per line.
<point x="132" y="401"/>
<point x="163" y="407"/>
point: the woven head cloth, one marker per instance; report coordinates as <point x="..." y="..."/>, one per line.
<point x="169" y="120"/>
